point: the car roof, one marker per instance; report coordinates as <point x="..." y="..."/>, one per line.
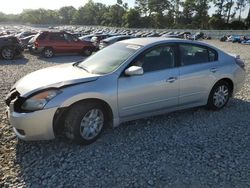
<point x="158" y="40"/>
<point x="7" y="36"/>
<point x="54" y="32"/>
<point x="117" y="37"/>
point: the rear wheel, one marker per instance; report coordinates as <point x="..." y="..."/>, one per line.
<point x="85" y="122"/>
<point x="48" y="52"/>
<point x="219" y="96"/>
<point x="87" y="51"/>
<point x="8" y="53"/>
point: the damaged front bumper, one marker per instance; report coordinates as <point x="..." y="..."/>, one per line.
<point x="36" y="125"/>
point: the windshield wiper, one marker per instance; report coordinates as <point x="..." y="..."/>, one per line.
<point x="81" y="67"/>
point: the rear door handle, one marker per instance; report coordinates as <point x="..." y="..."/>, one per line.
<point x="213" y="70"/>
<point x="171" y="79"/>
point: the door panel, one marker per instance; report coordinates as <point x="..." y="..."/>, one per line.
<point x="197" y="73"/>
<point x="57" y="41"/>
<point x="149" y="92"/>
<point x="156" y="89"/>
<point x="72" y="45"/>
<point x="61" y="46"/>
<point x="195" y="83"/>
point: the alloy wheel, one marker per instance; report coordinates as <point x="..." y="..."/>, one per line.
<point x="48" y="53"/>
<point x="221" y="96"/>
<point x="87" y="52"/>
<point x="91" y="124"/>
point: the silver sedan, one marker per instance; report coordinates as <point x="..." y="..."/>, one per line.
<point x="128" y="80"/>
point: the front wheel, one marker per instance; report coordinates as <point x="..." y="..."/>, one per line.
<point x="8" y="53"/>
<point x="219" y="96"/>
<point x="85" y="122"/>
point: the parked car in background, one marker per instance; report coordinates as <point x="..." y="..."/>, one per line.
<point x="235" y="38"/>
<point x="153" y="34"/>
<point x="25" y="41"/>
<point x="128" y="80"/>
<point x="50" y="43"/>
<point x="177" y="35"/>
<point x="96" y="39"/>
<point x="10" y="47"/>
<point x="240" y="39"/>
<point x="25" y="34"/>
<point x="77" y="35"/>
<point x="108" y="41"/>
<point x="197" y="36"/>
<point x="86" y="37"/>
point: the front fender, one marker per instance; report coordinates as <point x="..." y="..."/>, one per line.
<point x="85" y="96"/>
<point x="104" y="89"/>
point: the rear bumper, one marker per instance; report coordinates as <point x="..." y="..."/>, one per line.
<point x="33" y="126"/>
<point x="239" y="81"/>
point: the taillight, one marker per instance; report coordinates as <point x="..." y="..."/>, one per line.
<point x="36" y="44"/>
<point x="240" y="62"/>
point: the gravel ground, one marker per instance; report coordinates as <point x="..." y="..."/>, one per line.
<point x="191" y="148"/>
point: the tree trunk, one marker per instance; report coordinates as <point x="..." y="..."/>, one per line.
<point x="229" y="11"/>
<point x="248" y="18"/>
<point x="240" y="13"/>
<point x="221" y="8"/>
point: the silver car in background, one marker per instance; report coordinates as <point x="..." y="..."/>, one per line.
<point x="128" y="80"/>
<point x="111" y="40"/>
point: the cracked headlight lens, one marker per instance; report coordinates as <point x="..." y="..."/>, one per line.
<point x="38" y="101"/>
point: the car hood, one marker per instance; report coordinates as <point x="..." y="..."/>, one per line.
<point x="53" y="77"/>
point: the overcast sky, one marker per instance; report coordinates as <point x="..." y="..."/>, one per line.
<point x="17" y="6"/>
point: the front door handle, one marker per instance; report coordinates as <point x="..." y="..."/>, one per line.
<point x="171" y="79"/>
<point x="213" y="70"/>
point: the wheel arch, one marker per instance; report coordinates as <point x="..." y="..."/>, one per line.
<point x="2" y="47"/>
<point x="230" y="83"/>
<point x="50" y="47"/>
<point x="87" y="48"/>
<point x="226" y="79"/>
<point x="7" y="46"/>
<point x="61" y="113"/>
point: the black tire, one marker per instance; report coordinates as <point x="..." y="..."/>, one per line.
<point x="74" y="122"/>
<point x="8" y="53"/>
<point x="87" y="51"/>
<point x="216" y="101"/>
<point x="48" y="52"/>
<point x="30" y="50"/>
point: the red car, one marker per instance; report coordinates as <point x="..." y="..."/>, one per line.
<point x="50" y="43"/>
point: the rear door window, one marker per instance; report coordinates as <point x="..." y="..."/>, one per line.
<point x="68" y="37"/>
<point x="57" y="37"/>
<point x="194" y="54"/>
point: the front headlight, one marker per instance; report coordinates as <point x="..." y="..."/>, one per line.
<point x="38" y="101"/>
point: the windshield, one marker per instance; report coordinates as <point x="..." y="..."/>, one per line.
<point x="108" y="59"/>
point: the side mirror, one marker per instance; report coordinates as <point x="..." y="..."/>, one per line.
<point x="134" y="70"/>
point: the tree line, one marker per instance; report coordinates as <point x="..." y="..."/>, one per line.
<point x="188" y="14"/>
